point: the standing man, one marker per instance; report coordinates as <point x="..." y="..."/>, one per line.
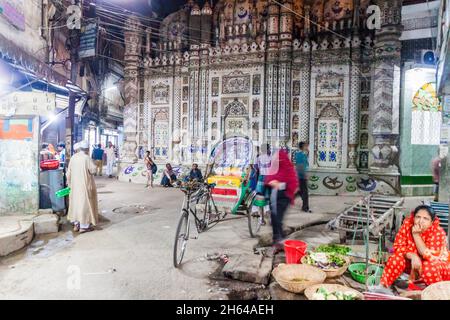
<point x="61" y="154"/>
<point x="97" y="155"/>
<point x="436" y="169"/>
<point x="302" y="166"/>
<point x="83" y="209"/>
<point x="110" y="159"/>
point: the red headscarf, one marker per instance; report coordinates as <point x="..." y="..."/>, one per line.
<point x="283" y="170"/>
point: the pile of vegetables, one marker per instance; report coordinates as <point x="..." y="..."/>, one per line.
<point x="324" y="294"/>
<point x="363" y="272"/>
<point x="333" y="248"/>
<point x="325" y="260"/>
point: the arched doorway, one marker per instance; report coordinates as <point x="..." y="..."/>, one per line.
<point x="235" y="120"/>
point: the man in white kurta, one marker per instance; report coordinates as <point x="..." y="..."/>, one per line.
<point x="110" y="158"/>
<point x="83" y="205"/>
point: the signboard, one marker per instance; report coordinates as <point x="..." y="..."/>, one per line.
<point x="88" y="41"/>
<point x="13" y="11"/>
<point x="27" y="103"/>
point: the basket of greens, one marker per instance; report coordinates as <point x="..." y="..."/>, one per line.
<point x="332" y="263"/>
<point x="328" y="291"/>
<point x="333" y="248"/>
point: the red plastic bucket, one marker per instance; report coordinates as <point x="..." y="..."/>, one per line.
<point x="294" y="250"/>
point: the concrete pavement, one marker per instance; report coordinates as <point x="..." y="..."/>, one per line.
<point x="130" y="256"/>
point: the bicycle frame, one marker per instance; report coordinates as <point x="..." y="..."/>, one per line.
<point x="187" y="206"/>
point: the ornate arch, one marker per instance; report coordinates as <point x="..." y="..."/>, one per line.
<point x="235" y="108"/>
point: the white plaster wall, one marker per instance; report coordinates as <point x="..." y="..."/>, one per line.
<point x="30" y="39"/>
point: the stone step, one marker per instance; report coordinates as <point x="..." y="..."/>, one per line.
<point x="249" y="268"/>
<point x="16" y="232"/>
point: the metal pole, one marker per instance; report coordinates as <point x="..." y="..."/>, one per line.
<point x="74" y="43"/>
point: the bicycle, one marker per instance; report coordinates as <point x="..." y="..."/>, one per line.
<point x="200" y="194"/>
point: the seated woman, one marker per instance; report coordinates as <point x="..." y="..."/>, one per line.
<point x="169" y="176"/>
<point x="420" y="247"/>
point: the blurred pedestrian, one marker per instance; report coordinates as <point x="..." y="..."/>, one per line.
<point x="83" y="205"/>
<point x="302" y="167"/>
<point x="151" y="169"/>
<point x="110" y="159"/>
<point x="97" y="155"/>
<point x="284" y="183"/>
<point x="61" y="154"/>
<point x="263" y="164"/>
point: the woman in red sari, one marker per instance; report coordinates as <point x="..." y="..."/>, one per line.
<point x="420" y="248"/>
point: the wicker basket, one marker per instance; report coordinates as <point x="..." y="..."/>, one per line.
<point x="331" y="287"/>
<point x="437" y="291"/>
<point x="284" y="274"/>
<point x="333" y="273"/>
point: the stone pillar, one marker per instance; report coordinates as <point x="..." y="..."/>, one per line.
<point x="305" y="96"/>
<point x="285" y="73"/>
<point x="386" y="60"/>
<point x="355" y="90"/>
<point x="132" y="55"/>
<point x="305" y="84"/>
<point x="272" y="73"/>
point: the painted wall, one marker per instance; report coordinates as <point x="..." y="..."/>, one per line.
<point x="19" y="184"/>
<point x="415" y="159"/>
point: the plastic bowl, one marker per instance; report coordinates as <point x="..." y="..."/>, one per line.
<point x="361" y="278"/>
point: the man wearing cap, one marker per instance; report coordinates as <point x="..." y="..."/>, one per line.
<point x="83" y="205"/>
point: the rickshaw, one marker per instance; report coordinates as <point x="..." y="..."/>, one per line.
<point x="225" y="191"/>
<point x="229" y="171"/>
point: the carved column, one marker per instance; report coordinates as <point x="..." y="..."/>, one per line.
<point x="385" y="95"/>
<point x="272" y="72"/>
<point x="132" y="55"/>
<point x="285" y="73"/>
<point x="355" y="89"/>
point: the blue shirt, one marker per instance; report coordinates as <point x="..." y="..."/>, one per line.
<point x="301" y="164"/>
<point x="97" y="154"/>
<point x="196" y="174"/>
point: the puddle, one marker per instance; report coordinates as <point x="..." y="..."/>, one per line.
<point x="135" y="209"/>
<point x="45" y="247"/>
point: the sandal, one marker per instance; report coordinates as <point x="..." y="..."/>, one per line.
<point x="86" y="230"/>
<point x="76" y="228"/>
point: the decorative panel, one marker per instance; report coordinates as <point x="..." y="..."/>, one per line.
<point x="236" y="82"/>
<point x="256" y="84"/>
<point x="329" y="87"/>
<point x="215" y="87"/>
<point x="160" y="94"/>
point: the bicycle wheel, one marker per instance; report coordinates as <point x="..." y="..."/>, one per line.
<point x="255" y="219"/>
<point x="181" y="238"/>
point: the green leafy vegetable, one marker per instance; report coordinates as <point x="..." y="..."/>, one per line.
<point x="333" y="248"/>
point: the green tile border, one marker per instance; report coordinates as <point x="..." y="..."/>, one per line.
<point x="416" y="180"/>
